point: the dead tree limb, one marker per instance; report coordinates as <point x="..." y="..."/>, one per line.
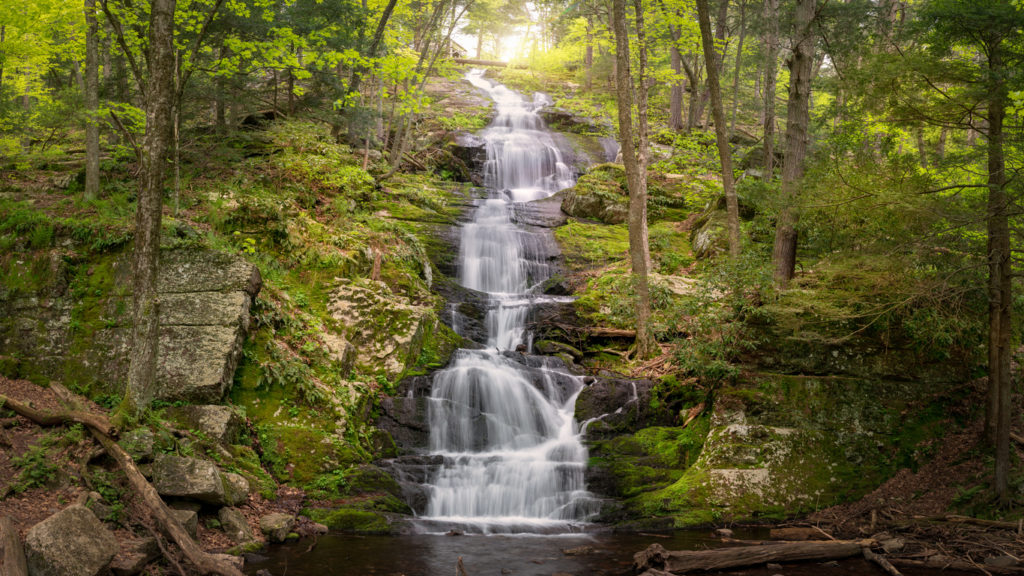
<point x="685" y="561"/>
<point x="881" y="562"/>
<point x="93" y="421"/>
<point x="12" y="555"/>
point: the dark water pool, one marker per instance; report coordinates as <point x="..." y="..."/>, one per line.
<point x="500" y="555"/>
<point x="521" y="555"/>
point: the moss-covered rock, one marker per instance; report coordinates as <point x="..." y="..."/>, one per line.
<point x="600" y="194"/>
<point x="351" y="520"/>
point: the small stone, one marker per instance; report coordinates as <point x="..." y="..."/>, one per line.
<point x="830" y="564"/>
<point x="236" y="489"/>
<point x="236" y="561"/>
<point x="277" y="525"/>
<point x="773" y="566"/>
<point x="138" y="444"/>
<point x="1002" y="562"/>
<point x="188" y="519"/>
<point x="319" y="528"/>
<point x="892" y="545"/>
<point x="578" y="551"/>
<point x="72" y="542"/>
<point x="723" y="533"/>
<point x="235" y="525"/>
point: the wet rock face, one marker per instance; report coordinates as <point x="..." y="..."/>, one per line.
<point x="385" y="331"/>
<point x="611" y="406"/>
<point x="72" y="542"/>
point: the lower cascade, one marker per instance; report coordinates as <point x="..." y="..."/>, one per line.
<point x="502" y="421"/>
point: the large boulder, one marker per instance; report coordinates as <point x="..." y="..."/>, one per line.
<point x="72" y="542"/>
<point x="235" y="525"/>
<point x="386" y="330"/>
<point x="190" y="478"/>
<point x="600" y="194"/>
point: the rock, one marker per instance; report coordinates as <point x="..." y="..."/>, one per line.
<point x="276" y="526"/>
<point x="236" y="489"/>
<point x="723" y="533"/>
<point x="386" y="329"/>
<point x="188" y="519"/>
<point x="236" y="561"/>
<point x="139" y="444"/>
<point x="543" y="213"/>
<point x="72" y="542"/>
<point x="219" y="423"/>
<point x="773" y="566"/>
<point x="188" y="478"/>
<point x="709" y="236"/>
<point x="319" y="528"/>
<point x="134" y="556"/>
<point x="1002" y="561"/>
<point x="600" y="194"/>
<point x="623" y="406"/>
<point x="551" y="348"/>
<point x="579" y="551"/>
<point x="235" y="525"/>
<point x="471" y="150"/>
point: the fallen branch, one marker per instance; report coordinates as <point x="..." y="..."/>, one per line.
<point x="53" y="419"/>
<point x="684" y="561"/>
<point x="598" y="331"/>
<point x="12" y="556"/>
<point x="947" y="563"/>
<point x="881" y="561"/>
<point x="101" y="430"/>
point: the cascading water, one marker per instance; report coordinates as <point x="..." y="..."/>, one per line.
<point x="512" y="457"/>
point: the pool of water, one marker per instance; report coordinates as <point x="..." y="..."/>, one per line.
<point x="433" y="555"/>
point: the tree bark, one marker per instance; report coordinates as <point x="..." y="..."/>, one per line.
<point x="736" y="71"/>
<point x="588" y="58"/>
<point x="12" y="555"/>
<point x="797" y="130"/>
<point x="657" y="558"/>
<point x="771" y="43"/>
<point x="675" y="114"/>
<point x="92" y="102"/>
<point x="636" y="182"/>
<point x="999" y="281"/>
<point x="724" y="153"/>
<point x="149" y="210"/>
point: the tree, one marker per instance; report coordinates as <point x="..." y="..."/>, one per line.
<point x="995" y="30"/>
<point x="771" y="48"/>
<point x="721" y="131"/>
<point x="635" y="160"/>
<point x="798" y="119"/>
<point x="92" y="102"/>
<point x="160" y="97"/>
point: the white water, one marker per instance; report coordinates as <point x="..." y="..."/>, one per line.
<point x="513" y="460"/>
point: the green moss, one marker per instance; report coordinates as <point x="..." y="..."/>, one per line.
<point x="350" y="520"/>
<point x="587" y="245"/>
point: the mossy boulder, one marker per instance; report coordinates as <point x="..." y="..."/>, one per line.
<point x="386" y="331"/>
<point x="710" y="235"/>
<point x="600" y="194"/>
<point x="351" y="520"/>
<point x="72" y="542"/>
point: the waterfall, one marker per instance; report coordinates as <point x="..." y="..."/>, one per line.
<point x="511" y="450"/>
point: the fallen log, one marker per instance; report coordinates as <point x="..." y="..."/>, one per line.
<point x="882" y="562"/>
<point x="168" y="525"/>
<point x="475" y="62"/>
<point x="685" y="561"/>
<point x="797" y="533"/>
<point x="12" y="555"/>
<point x="89" y="419"/>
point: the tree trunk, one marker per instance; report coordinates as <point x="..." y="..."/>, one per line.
<point x="149" y="210"/>
<point x="797" y="126"/>
<point x="771" y="42"/>
<point x="12" y="555"/>
<point x="999" y="283"/>
<point x="675" y="114"/>
<point x="636" y="181"/>
<point x="724" y="153"/>
<point x="588" y="58"/>
<point x="219" y="116"/>
<point x="656" y="557"/>
<point x="736" y="71"/>
<point x="92" y="102"/>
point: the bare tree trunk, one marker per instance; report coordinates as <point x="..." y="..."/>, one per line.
<point x="588" y="58"/>
<point x="675" y="114"/>
<point x="941" y="147"/>
<point x="220" y="120"/>
<point x="149" y="210"/>
<point x="771" y="42"/>
<point x="636" y="181"/>
<point x="724" y="153"/>
<point x="999" y="284"/>
<point x="92" y="102"/>
<point x="736" y="71"/>
<point x="797" y="129"/>
<point x="3" y="38"/>
<point x="922" y="152"/>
